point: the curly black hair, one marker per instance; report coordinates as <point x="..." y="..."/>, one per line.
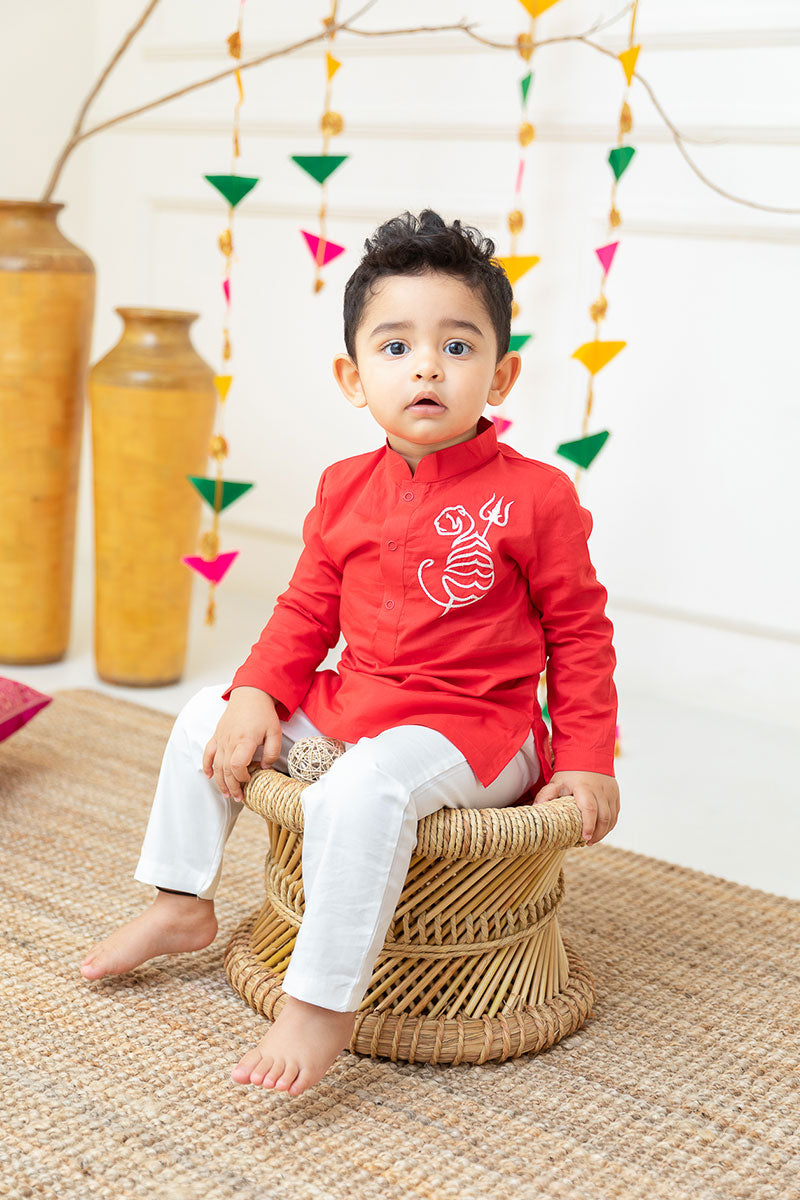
<point x="409" y="245"/>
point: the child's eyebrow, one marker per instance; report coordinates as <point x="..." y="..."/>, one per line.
<point x="445" y="323"/>
<point x="390" y="327"/>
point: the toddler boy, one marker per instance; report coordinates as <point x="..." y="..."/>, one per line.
<point x="456" y="569"/>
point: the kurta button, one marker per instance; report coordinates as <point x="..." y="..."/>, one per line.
<point x="389" y="604"/>
<point x="408" y="495"/>
<point x="391" y="545"/>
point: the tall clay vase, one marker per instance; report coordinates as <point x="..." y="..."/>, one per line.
<point x="153" y="401"/>
<point x="46" y="308"/>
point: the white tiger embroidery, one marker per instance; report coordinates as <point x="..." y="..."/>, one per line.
<point x="469" y="570"/>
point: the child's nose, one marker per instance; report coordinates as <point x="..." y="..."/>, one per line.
<point x="428" y="366"/>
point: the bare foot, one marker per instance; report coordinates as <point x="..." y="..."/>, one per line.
<point x="298" y="1049"/>
<point x="170" y="925"/>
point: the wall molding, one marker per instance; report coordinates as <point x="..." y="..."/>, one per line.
<point x="663" y="612"/>
<point x="665" y="227"/>
<point x="714" y="136"/>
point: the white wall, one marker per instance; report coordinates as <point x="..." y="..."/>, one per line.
<point x="47" y="57"/>
<point x="694" y="496"/>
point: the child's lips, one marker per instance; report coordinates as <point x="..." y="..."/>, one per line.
<point x="426" y="402"/>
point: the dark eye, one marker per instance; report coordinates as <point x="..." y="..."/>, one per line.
<point x="395" y="349"/>
<point x="457" y="349"/>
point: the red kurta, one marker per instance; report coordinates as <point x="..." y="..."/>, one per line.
<point x="453" y="587"/>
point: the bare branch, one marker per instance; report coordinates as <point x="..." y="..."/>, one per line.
<point x="79" y="134"/>
<point x="72" y="141"/>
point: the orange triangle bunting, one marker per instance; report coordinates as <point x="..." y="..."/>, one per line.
<point x="596" y="355"/>
<point x="628" y="59"/>
<point x="517" y="265"/>
<point x="537" y="7"/>
<point x="223" y="385"/>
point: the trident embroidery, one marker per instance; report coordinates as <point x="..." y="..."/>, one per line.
<point x="469" y="570"/>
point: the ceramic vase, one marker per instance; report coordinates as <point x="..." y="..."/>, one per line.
<point x="153" y="402"/>
<point x="47" y="290"/>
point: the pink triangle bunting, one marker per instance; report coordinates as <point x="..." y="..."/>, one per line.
<point x="606" y="255"/>
<point x="330" y="249"/>
<point x="501" y="424"/>
<point x="215" y="569"/>
<point x="520" y="173"/>
<point x="226" y="287"/>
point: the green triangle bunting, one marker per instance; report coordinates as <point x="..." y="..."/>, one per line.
<point x="620" y="159"/>
<point x="233" y="187"/>
<point x="319" y="166"/>
<point x="584" y="451"/>
<point x="518" y="340"/>
<point x="231" y="490"/>
<point x="525" y="86"/>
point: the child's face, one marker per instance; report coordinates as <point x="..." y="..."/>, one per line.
<point x="426" y="363"/>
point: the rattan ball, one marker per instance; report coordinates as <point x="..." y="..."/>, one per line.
<point x="311" y="757"/>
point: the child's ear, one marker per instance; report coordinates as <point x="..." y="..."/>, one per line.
<point x="506" y="375"/>
<point x="345" y="372"/>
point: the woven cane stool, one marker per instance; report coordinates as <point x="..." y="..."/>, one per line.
<point x="473" y="967"/>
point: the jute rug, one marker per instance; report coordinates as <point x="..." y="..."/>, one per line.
<point x="682" y="1085"/>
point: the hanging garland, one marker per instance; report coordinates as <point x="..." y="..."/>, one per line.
<point x="321" y="166"/>
<point x="514" y="264"/>
<point x="219" y="493"/>
<point x="597" y="354"/>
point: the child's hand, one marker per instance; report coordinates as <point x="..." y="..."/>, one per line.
<point x="249" y="721"/>
<point x="596" y="795"/>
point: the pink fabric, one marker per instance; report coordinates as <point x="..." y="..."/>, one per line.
<point x="18" y="703"/>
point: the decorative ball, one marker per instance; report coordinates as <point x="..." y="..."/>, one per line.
<point x="625" y="118"/>
<point x="331" y="123"/>
<point x="516" y="220"/>
<point x="319" y="284"/>
<point x="598" y="310"/>
<point x="218" y="447"/>
<point x="226" y="346"/>
<point x="209" y="545"/>
<point x="311" y="757"/>
<point x="614" y="219"/>
<point x="525" y="45"/>
<point x="514" y="309"/>
<point x="226" y="243"/>
<point x="526" y="133"/>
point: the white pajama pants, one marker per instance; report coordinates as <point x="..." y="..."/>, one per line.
<point x="360" y="826"/>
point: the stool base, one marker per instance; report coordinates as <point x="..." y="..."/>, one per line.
<point x="397" y="1036"/>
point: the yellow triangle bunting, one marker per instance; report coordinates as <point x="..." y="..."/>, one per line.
<point x="628" y="59"/>
<point x="596" y="355"/>
<point x="517" y="265"/>
<point x="537" y="7"/>
<point x="333" y="65"/>
<point x="223" y="384"/>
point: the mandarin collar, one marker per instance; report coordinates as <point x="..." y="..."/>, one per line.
<point x="443" y="464"/>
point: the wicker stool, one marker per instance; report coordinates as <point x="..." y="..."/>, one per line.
<point x="473" y="967"/>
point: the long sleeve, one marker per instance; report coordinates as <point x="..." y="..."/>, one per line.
<point x="581" y="696"/>
<point x="304" y="625"/>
